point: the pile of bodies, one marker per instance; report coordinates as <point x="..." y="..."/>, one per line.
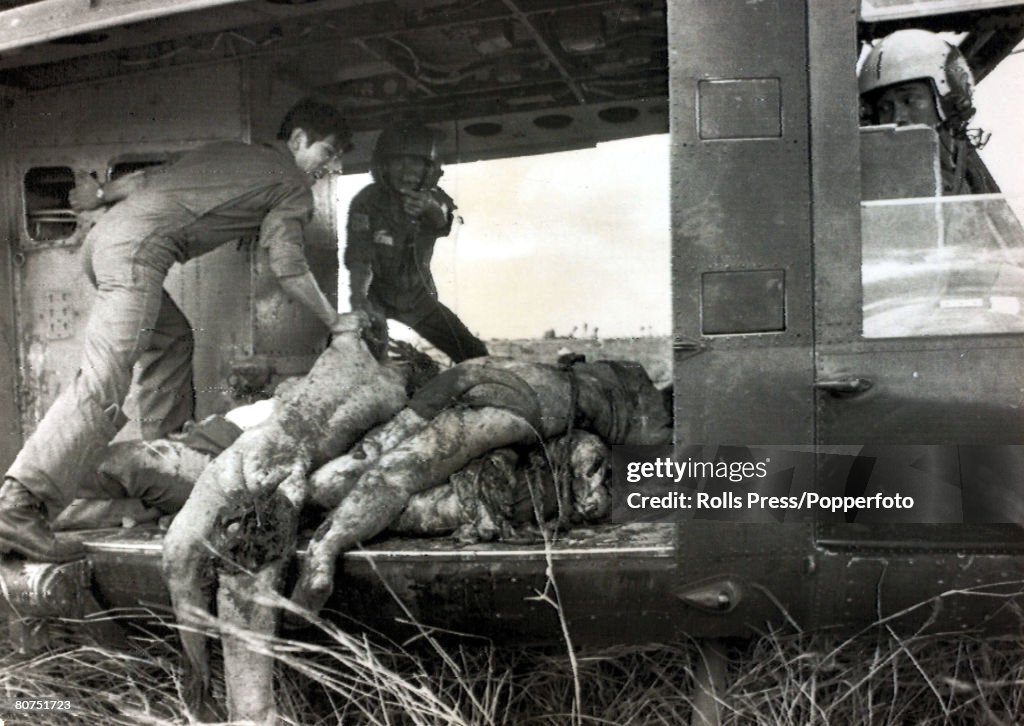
<point x="479" y="450"/>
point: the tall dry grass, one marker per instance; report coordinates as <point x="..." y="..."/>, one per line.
<point x="333" y="675"/>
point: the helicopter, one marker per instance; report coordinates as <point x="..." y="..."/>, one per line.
<point x="786" y="329"/>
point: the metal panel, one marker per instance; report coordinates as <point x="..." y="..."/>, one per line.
<point x="740" y="108"/>
<point x="912" y="149"/>
<point x="52" y="293"/>
<point x="966" y="394"/>
<point x="48" y="363"/>
<point x="731" y="394"/>
<point x="740" y="201"/>
<point x="642" y="583"/>
<point x="39" y="22"/>
<point x="215" y="293"/>
<point x="744" y="301"/>
<point x="195" y="103"/>
<point x="10" y="421"/>
<point x="835" y="174"/>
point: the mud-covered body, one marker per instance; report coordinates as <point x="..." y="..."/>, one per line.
<point x="240" y="523"/>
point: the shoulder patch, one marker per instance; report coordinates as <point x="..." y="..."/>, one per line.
<point x="359" y="222"/>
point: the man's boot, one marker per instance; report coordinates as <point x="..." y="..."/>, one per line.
<point x="25" y="530"/>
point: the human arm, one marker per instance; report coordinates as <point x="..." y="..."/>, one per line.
<point x="359" y="278"/>
<point x="281" y="234"/>
<point x="432" y="207"/>
<point x="89" y="193"/>
<point x="304" y="290"/>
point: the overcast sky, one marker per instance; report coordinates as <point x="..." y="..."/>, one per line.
<point x="1000" y="103"/>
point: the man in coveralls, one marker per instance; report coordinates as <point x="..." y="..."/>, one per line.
<point x="208" y="196"/>
<point x="393" y="225"/>
<point x="916" y="77"/>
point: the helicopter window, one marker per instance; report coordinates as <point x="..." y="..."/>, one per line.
<point x="934" y="263"/>
<point x="942" y="266"/>
<point x="48" y="214"/>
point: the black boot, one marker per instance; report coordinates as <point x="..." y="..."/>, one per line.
<point x="25" y="530"/>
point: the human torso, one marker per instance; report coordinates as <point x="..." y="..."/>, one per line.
<point x="213" y="194"/>
<point x="398" y="248"/>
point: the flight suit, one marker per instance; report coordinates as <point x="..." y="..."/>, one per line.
<point x="398" y="250"/>
<point x="209" y="196"/>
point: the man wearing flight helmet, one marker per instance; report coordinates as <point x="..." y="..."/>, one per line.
<point x="393" y="225"/>
<point x="916" y="77"/>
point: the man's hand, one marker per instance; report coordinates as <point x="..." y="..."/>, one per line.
<point x="376" y="317"/>
<point x="84" y="196"/>
<point x="349" y="323"/>
<point x="423" y="204"/>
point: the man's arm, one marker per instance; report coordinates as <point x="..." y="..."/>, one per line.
<point x="281" y="233"/>
<point x="305" y="290"/>
<point x="358" y="257"/>
<point x="88" y="193"/>
<point x="359" y="278"/>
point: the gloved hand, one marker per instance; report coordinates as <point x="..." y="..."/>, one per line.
<point x="423" y="205"/>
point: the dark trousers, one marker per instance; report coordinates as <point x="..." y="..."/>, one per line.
<point x="442" y="329"/>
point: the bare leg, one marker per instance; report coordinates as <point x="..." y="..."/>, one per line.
<point x="334" y="480"/>
<point x="448" y="443"/>
<point x="249" y="673"/>
<point x="238" y="481"/>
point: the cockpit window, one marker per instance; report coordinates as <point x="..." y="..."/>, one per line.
<point x="48" y="214"/>
<point x="942" y="266"/>
<point x="942" y="248"/>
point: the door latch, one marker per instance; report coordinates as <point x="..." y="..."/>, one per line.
<point x="849" y="386"/>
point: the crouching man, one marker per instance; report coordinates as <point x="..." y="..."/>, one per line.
<point x="207" y="197"/>
<point x="393" y="225"/>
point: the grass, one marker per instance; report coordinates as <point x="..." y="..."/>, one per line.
<point x="778" y="679"/>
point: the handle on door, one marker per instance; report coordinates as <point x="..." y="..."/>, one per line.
<point x="850" y="386"/>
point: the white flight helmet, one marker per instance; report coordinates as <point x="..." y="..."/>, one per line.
<point x="914" y="55"/>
